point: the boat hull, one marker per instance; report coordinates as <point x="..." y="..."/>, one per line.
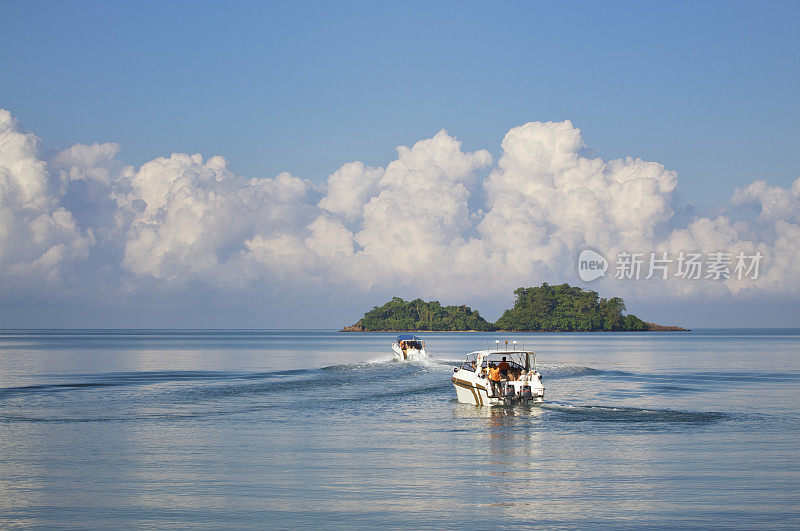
<point x="469" y="393"/>
<point x="408" y="353"/>
<point x="471" y="389"/>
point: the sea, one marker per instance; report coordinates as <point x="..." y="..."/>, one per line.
<point x="284" y="429"/>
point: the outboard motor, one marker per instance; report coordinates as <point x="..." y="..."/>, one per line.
<point x="509" y="391"/>
<point x="526" y="393"/>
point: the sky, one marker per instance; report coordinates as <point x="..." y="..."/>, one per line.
<point x="290" y="165"/>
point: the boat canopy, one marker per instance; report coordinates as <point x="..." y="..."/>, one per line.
<point x="516" y="358"/>
<point x="408" y="337"/>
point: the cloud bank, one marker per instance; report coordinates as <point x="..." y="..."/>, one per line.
<point x="437" y="221"/>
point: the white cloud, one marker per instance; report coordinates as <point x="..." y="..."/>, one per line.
<point x="773" y="202"/>
<point x="426" y="224"/>
<point x="190" y="218"/>
<point x="38" y="238"/>
<point x="349" y="188"/>
<point x="546" y="202"/>
<point x="82" y="162"/>
<point x="420" y="214"/>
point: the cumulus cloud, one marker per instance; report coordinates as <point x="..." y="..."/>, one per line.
<point x="38" y="237"/>
<point x="421" y="214"/>
<point x="194" y="219"/>
<point x="772" y="202"/>
<point x="90" y="163"/>
<point x="349" y="188"/>
<point x="427" y="223"/>
<point x="546" y="201"/>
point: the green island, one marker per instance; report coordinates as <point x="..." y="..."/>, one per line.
<point x="560" y="308"/>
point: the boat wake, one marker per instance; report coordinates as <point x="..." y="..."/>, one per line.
<point x="630" y="415"/>
<point x="379" y="386"/>
<point x="551" y="371"/>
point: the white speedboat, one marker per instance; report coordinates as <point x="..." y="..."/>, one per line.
<point x="521" y="382"/>
<point x="408" y="346"/>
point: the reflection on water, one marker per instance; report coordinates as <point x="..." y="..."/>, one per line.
<point x="286" y="429"/>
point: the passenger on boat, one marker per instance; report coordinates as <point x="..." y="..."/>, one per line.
<point x="504" y="366"/>
<point x="494" y="379"/>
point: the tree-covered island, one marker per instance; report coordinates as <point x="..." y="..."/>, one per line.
<point x="566" y="308"/>
<point x="561" y="308"/>
<point x="402" y="316"/>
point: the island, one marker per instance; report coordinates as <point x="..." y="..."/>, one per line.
<point x="546" y="308"/>
<point x="398" y="315"/>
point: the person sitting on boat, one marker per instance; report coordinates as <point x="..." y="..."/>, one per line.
<point x="494" y="379"/>
<point x="504" y="366"/>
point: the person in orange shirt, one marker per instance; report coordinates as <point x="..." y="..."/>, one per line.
<point x="504" y="367"/>
<point x="494" y="379"/>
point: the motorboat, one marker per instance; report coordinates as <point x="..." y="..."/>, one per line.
<point x="520" y="381"/>
<point x="408" y="346"/>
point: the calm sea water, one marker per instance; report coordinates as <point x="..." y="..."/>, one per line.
<point x="282" y="429"/>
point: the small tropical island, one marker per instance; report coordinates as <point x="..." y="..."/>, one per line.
<point x="560" y="308"/>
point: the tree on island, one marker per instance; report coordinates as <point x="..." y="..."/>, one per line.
<point x="566" y="308"/>
<point x="398" y="314"/>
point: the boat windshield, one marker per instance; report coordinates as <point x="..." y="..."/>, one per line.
<point x="517" y="360"/>
<point x="469" y="364"/>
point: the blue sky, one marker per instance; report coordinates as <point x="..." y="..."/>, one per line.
<point x="707" y="89"/>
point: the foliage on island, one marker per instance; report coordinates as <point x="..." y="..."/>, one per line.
<point x="566" y="308"/>
<point x="398" y="314"/>
<point x="561" y="308"/>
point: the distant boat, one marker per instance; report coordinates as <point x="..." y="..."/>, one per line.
<point x="520" y="382"/>
<point x="408" y="346"/>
